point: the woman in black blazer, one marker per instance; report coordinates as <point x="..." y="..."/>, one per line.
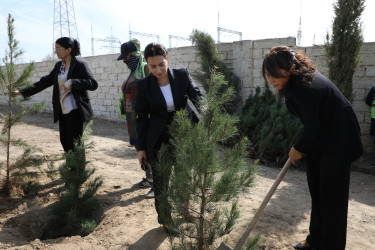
<point x="71" y="78"/>
<point x="331" y="140"/>
<point x="159" y="96"/>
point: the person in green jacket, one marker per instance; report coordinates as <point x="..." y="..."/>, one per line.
<point x="137" y="68"/>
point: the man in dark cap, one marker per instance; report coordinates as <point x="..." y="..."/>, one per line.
<point x="137" y="68"/>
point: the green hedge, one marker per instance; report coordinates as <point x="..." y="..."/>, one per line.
<point x="270" y="128"/>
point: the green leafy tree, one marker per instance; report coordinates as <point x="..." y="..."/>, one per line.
<point x="342" y="48"/>
<point x="271" y="129"/>
<point x="210" y="58"/>
<point x="74" y="212"/>
<point x="205" y="179"/>
<point x="15" y="170"/>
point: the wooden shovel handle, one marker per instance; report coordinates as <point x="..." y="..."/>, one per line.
<point x="262" y="206"/>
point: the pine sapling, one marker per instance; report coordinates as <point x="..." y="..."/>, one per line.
<point x="74" y="212"/>
<point x="205" y="179"/>
<point x="17" y="167"/>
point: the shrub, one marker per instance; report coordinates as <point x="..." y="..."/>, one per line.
<point x="210" y="59"/>
<point x="342" y="49"/>
<point x="271" y="129"/>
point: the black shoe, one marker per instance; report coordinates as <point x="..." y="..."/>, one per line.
<point x="171" y="231"/>
<point x="303" y="245"/>
<point x="144" y="183"/>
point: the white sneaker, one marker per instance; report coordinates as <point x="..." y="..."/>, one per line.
<point x="150" y="193"/>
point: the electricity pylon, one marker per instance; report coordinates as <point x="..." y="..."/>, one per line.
<point x="64" y="21"/>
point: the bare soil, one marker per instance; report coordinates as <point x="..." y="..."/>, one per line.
<point x="128" y="219"/>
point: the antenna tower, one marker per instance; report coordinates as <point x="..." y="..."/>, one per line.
<point x="314" y="40"/>
<point x="299" y="33"/>
<point x="64" y="20"/>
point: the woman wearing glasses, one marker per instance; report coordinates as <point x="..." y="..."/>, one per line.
<point x="71" y="78"/>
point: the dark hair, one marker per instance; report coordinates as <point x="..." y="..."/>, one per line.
<point x="155" y="49"/>
<point x="282" y="57"/>
<point x="67" y="43"/>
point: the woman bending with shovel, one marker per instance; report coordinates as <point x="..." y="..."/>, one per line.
<point x="331" y="140"/>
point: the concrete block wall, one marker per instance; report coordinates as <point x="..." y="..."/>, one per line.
<point x="40" y="69"/>
<point x="364" y="79"/>
<point x="245" y="58"/>
<point x="110" y="75"/>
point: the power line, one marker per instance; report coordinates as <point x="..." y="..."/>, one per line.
<point x="113" y="44"/>
<point x="178" y="39"/>
<point x="134" y="33"/>
<point x="221" y="31"/>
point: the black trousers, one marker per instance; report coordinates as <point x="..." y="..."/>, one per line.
<point x="160" y="185"/>
<point x="71" y="129"/>
<point x="328" y="180"/>
<point x="161" y="179"/>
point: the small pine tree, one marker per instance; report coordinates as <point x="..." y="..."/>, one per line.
<point x="271" y="129"/>
<point x="16" y="170"/>
<point x="342" y="50"/>
<point x="74" y="210"/>
<point x="210" y="58"/>
<point x="205" y="177"/>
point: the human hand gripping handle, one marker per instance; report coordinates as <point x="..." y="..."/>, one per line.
<point x="294" y="155"/>
<point x="16" y="92"/>
<point x="142" y="157"/>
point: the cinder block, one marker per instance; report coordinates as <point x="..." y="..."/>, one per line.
<point x="98" y="71"/>
<point x="370" y="71"/>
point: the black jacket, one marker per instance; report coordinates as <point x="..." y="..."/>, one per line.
<point x="82" y="80"/>
<point x="151" y="108"/>
<point x="330" y="124"/>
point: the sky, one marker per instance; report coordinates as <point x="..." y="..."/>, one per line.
<point x="99" y="21"/>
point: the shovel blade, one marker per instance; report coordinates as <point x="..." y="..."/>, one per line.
<point x="224" y="246"/>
